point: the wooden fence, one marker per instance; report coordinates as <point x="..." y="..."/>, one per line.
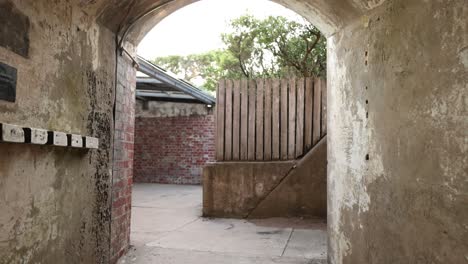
<point x="269" y="119"/>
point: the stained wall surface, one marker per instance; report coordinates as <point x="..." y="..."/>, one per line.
<point x="234" y="189"/>
<point x="398" y="162"/>
<point x="155" y="109"/>
<point x="54" y="202"/>
<point x="256" y="190"/>
<point x="303" y="192"/>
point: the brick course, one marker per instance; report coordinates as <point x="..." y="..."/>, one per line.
<point x="122" y="179"/>
<point x="173" y="150"/>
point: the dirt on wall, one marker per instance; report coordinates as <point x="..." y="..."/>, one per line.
<point x="14" y="34"/>
<point x="55" y="201"/>
<point x="397" y="149"/>
<point x="154" y="109"/>
<point x="256" y="190"/>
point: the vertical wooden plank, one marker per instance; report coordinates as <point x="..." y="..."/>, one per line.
<point x="228" y="122"/>
<point x="317" y="111"/>
<point x="244" y="119"/>
<point x="236" y="108"/>
<point x="260" y="120"/>
<point x="324" y="108"/>
<point x="292" y="119"/>
<point x="275" y="120"/>
<point x="309" y="103"/>
<point x="267" y="129"/>
<point x="220" y="121"/>
<point x="284" y="119"/>
<point x="300" y="117"/>
<point x="252" y="120"/>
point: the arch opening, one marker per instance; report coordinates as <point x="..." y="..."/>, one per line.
<point x="140" y="26"/>
<point x="396" y="153"/>
<point x="328" y="16"/>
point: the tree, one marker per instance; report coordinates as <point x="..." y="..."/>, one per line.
<point x="210" y="67"/>
<point x="277" y="47"/>
<point x="272" y="47"/>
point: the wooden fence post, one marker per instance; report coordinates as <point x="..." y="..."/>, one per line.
<point x="300" y="118"/>
<point x="220" y="121"/>
<point x="236" y="121"/>
<point x="269" y="119"/>
<point x="244" y="119"/>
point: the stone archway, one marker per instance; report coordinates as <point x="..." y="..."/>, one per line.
<point x="397" y="130"/>
<point x="360" y="33"/>
<point x="138" y="20"/>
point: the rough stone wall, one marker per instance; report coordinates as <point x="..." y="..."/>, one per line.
<point x="173" y="142"/>
<point x="54" y="202"/>
<point x="398" y="146"/>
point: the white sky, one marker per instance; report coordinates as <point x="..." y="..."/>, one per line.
<point x="197" y="28"/>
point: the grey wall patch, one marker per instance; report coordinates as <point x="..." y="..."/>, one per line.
<point x="14" y="29"/>
<point x="463" y="56"/>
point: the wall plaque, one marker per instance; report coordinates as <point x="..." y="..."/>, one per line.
<point x="7" y="83"/>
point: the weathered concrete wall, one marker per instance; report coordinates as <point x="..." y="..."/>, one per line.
<point x="268" y="189"/>
<point x="54" y="203"/>
<point x="303" y="193"/>
<point x="398" y="125"/>
<point x="170" y="109"/>
<point x="234" y="189"/>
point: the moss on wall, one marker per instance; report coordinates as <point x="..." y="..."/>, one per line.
<point x="55" y="202"/>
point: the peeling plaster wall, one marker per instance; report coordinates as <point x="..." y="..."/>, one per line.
<point x="406" y="111"/>
<point x="54" y="202"/>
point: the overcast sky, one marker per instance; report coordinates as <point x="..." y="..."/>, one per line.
<point x="197" y="27"/>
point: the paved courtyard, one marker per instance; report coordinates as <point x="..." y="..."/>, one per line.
<point x="167" y="228"/>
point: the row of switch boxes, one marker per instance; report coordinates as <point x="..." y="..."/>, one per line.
<point x="18" y="134"/>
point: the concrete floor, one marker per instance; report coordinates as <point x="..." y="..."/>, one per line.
<point x="167" y="228"/>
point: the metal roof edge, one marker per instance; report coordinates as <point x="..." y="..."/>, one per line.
<point x="157" y="72"/>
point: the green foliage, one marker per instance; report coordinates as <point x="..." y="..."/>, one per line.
<point x="210" y="66"/>
<point x="272" y="47"/>
<point x="276" y="47"/>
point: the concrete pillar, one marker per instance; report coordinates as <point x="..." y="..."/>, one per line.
<point x="398" y="135"/>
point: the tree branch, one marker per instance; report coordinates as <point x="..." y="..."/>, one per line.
<point x="239" y="58"/>
<point x="309" y="50"/>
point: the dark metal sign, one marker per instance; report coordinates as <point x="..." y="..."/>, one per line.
<point x="8" y="77"/>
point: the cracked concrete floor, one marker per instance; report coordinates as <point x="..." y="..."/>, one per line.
<point x="167" y="228"/>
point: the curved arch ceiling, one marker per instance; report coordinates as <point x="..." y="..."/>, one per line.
<point x="327" y="15"/>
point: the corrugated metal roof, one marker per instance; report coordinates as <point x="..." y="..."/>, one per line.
<point x="159" y="84"/>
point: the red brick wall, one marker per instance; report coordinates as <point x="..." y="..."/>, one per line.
<point x="122" y="177"/>
<point x="173" y="150"/>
